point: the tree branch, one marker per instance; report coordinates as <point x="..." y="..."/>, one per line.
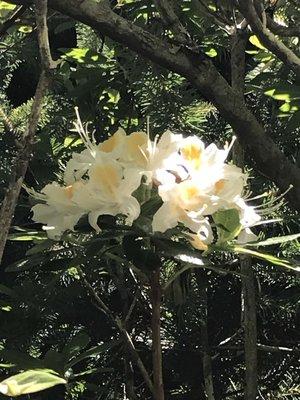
<point x="261" y="347"/>
<point x="41" y="9"/>
<point x="156" y="340"/>
<point x="13" y="18"/>
<point x="172" y="21"/>
<point x="267" y="38"/>
<point x="250" y="328"/>
<point x="99" y="303"/>
<point x="238" y="64"/>
<point x="281" y="30"/>
<point x="202" y="74"/>
<point x="206" y="358"/>
<point x="22" y="160"/>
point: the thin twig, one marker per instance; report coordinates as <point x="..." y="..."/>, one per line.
<point x="12" y="19"/>
<point x="99" y="303"/>
<point x="171" y="20"/>
<point x="267" y="38"/>
<point x="260" y="347"/>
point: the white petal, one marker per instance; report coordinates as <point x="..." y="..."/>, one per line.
<point x="165" y="218"/>
<point x="246" y="236"/>
<point x="131" y="208"/>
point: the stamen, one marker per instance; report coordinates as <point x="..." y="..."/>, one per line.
<point x="84" y="134"/>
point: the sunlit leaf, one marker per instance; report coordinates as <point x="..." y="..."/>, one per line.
<point x="25" y="29"/>
<point x="30" y="382"/>
<point x="256" y="42"/>
<point x="267" y="257"/>
<point x="6" y="6"/>
<point x="274" y="240"/>
<point x="228" y="224"/>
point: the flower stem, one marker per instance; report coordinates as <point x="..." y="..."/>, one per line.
<point x="156" y="295"/>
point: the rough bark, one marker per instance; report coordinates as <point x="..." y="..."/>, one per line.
<point x="203" y="75"/>
<point x="25" y="147"/>
<point x="206" y="358"/>
<point x="41" y="8"/>
<point x="250" y="328"/>
<point x="238" y="48"/>
<point x="22" y="160"/>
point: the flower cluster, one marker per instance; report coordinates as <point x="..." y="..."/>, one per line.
<point x="193" y="181"/>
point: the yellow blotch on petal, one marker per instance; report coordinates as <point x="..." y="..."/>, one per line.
<point x="69" y="191"/>
<point x="189" y="191"/>
<point x="192" y="154"/>
<point x="196" y="242"/>
<point x="107" y="177"/>
<point x="110" y="144"/>
<point x="219" y="185"/>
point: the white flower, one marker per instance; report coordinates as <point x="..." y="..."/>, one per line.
<point x="59" y="212"/>
<point x="204" y="164"/>
<point x="248" y="215"/>
<point x="136" y="150"/>
<point x="108" y="190"/>
<point x="246" y="236"/>
<point x="183" y="202"/>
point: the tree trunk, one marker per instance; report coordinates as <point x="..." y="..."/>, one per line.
<point x="206" y="358"/>
<point x="156" y="339"/>
<point x="250" y="327"/>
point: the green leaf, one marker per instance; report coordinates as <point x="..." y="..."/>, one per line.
<point x="72" y="141"/>
<point x="25" y="29"/>
<point x="81" y="55"/>
<point x="40" y="247"/>
<point x="284" y="92"/>
<point x="256" y="42"/>
<point x="6" y="290"/>
<point x="6" y="6"/>
<point x="30" y="382"/>
<point x="76" y="344"/>
<point x="54" y="360"/>
<point x="228" y="224"/>
<point x="21" y="360"/>
<point x="267" y="257"/>
<point x="211" y="53"/>
<point x="93" y="352"/>
<point x="275" y="240"/>
<point x="27" y="236"/>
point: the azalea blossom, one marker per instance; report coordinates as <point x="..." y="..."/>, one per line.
<point x="58" y="211"/>
<point x="108" y="190"/>
<point x="136" y="150"/>
<point x="193" y="181"/>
